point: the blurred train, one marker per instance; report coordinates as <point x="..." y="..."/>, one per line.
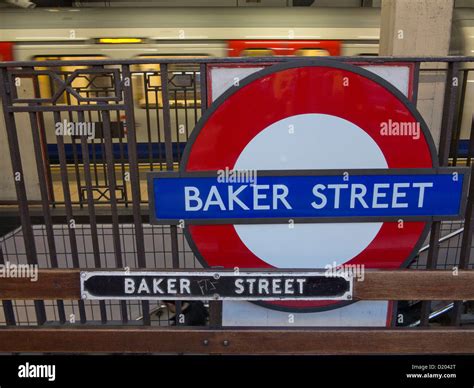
<point x="114" y="33"/>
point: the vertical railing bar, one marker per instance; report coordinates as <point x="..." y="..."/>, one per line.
<point x="67" y="193"/>
<point x="203" y="82"/>
<point x="176" y="118"/>
<point x="215" y="311"/>
<point x="102" y="150"/>
<point x="147" y="115"/>
<point x="416" y="83"/>
<point x="195" y="105"/>
<point x="166" y="116"/>
<point x="215" y="314"/>
<point x="148" y="121"/>
<point x="20" y="188"/>
<point x="135" y="180"/>
<point x="169" y="167"/>
<point x="91" y="209"/>
<point x="76" y="170"/>
<point x="93" y="147"/>
<point x="44" y="145"/>
<point x="74" y="155"/>
<point x="470" y="151"/>
<point x="163" y="242"/>
<point x="449" y="106"/>
<point x="122" y="159"/>
<point x="186" y="120"/>
<point x="466" y="242"/>
<point x="104" y="160"/>
<point x="7" y="304"/>
<point x="48" y="221"/>
<point x="431" y="264"/>
<point x="52" y="84"/>
<point x="68" y="208"/>
<point x="109" y="158"/>
<point x="158" y="130"/>
<point x="458" y="118"/>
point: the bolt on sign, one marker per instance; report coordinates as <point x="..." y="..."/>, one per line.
<point x="308" y="163"/>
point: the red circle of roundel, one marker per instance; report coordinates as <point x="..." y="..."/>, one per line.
<point x="286" y="90"/>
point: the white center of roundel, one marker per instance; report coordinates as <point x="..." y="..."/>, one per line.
<point x="309" y="141"/>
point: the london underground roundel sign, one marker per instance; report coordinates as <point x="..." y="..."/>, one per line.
<point x="307" y="164"/>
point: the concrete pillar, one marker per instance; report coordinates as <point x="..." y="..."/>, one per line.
<point x="420" y="28"/>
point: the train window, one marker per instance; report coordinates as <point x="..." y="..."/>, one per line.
<point x="257" y="52"/>
<point x="312" y="52"/>
<point x="183" y="84"/>
<point x="47" y="87"/>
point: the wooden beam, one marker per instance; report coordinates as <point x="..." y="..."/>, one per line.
<point x="238" y="341"/>
<point x="50" y="284"/>
<point x="376" y="285"/>
<point x="408" y="284"/>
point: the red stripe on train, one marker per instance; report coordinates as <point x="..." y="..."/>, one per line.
<point x="283" y="47"/>
<point x="6" y="51"/>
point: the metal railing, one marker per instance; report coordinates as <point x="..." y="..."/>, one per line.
<point x="88" y="207"/>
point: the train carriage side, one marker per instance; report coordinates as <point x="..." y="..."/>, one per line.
<point x="214" y="33"/>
